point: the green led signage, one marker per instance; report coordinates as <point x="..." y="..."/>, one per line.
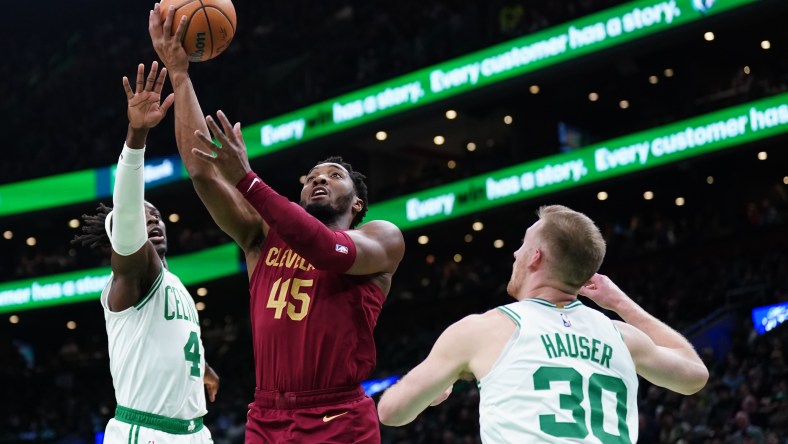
<point x="48" y="192"/>
<point x="628" y="154"/>
<point x="635" y="152"/>
<point x="83" y="285"/>
<point x="504" y="61"/>
<point x="528" y="54"/>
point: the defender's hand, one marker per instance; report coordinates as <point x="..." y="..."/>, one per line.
<point x="144" y="109"/>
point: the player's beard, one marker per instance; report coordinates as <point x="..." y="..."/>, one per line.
<point x="511" y="287"/>
<point x="326" y="212"/>
<point x="515" y="282"/>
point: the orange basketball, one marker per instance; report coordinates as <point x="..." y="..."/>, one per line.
<point x="210" y="26"/>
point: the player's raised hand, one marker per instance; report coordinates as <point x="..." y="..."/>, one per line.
<point x="603" y="291"/>
<point x="229" y="155"/>
<point x="168" y="47"/>
<point x="145" y="109"/>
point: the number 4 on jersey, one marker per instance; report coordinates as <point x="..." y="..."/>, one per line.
<point x="191" y="351"/>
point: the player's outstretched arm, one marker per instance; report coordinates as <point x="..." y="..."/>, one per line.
<point x="430" y="382"/>
<point x="135" y="263"/>
<point x="661" y="354"/>
<point x="227" y="207"/>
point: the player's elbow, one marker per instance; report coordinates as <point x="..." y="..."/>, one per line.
<point x="700" y="379"/>
<point x="391" y="416"/>
<point x="695" y="381"/>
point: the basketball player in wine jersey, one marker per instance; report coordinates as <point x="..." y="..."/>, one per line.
<point x="317" y="284"/>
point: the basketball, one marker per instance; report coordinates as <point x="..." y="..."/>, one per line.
<point x="210" y="26"/>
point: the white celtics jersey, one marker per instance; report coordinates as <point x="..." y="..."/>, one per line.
<point x="564" y="376"/>
<point x="155" y="352"/>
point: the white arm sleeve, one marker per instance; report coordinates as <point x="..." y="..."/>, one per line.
<point x="128" y="232"/>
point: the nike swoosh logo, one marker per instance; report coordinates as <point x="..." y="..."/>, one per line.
<point x="331" y="418"/>
<point x="255" y="180"/>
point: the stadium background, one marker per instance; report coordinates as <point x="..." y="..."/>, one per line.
<point x="701" y="266"/>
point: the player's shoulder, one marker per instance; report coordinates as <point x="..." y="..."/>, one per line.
<point x="632" y="336"/>
<point x="473" y="332"/>
<point x="477" y="323"/>
<point x="379" y="225"/>
<point x="385" y="233"/>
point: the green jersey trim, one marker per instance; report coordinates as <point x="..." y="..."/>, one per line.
<point x="509" y="312"/>
<point x="573" y="304"/>
<point x="157" y="422"/>
<point x="152" y="291"/>
<point x="618" y="331"/>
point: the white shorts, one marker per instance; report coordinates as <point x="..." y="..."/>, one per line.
<point x="118" y="432"/>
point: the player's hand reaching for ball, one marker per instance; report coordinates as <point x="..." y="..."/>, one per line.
<point x="145" y="109"/>
<point x="168" y="46"/>
<point x="229" y="155"/>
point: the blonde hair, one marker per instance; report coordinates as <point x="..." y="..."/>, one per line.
<point x="574" y="244"/>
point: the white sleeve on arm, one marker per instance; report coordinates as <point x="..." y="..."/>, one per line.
<point x="125" y="224"/>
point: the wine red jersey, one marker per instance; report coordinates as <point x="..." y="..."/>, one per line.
<point x="312" y="329"/>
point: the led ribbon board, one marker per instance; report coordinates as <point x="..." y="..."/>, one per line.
<point x="81" y="186"/>
<point x="635" y="152"/>
<point x="497" y="63"/>
<point x="83" y="285"/>
<point x="552" y="46"/>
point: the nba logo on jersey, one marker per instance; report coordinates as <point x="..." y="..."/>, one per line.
<point x="565" y="318"/>
<point x="341" y="249"/>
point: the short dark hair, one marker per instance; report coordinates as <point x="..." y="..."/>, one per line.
<point x="358" y="183"/>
